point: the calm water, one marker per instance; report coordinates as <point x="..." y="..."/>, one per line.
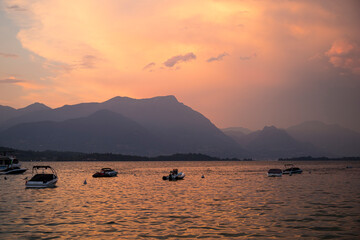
<point x="235" y="200"/>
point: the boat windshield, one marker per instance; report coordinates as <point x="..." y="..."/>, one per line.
<point x="43" y="168"/>
<point x="5" y="161"/>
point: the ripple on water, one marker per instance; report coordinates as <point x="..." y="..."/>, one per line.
<point x="244" y="204"/>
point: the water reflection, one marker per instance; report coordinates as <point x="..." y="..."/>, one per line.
<point x="234" y="200"/>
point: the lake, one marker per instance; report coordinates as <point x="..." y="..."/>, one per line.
<point x="235" y="200"/>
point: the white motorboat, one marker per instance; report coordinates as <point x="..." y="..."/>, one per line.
<point x="174" y="175"/>
<point x="275" y="172"/>
<point x="105" y="172"/>
<point x="291" y="169"/>
<point x="43" y="177"/>
<point x="9" y="164"/>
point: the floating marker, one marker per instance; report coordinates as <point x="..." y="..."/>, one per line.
<point x="85" y="182"/>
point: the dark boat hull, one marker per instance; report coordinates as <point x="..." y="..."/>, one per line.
<point x="102" y="175"/>
<point x="292" y="171"/>
<point x="178" y="177"/>
<point x="13" y="171"/>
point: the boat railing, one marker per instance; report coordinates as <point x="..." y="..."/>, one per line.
<point x="36" y="168"/>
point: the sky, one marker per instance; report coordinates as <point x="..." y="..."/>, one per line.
<point x="239" y="63"/>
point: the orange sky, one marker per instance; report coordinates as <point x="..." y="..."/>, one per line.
<point x="240" y="63"/>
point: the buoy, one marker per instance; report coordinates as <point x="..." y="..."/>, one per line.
<point x="202" y="176"/>
<point x="5" y="178"/>
<point x="85" y="182"/>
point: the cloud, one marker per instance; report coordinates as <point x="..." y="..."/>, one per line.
<point x="180" y="58"/>
<point x="88" y="61"/>
<point x="218" y="58"/>
<point x="345" y="54"/>
<point x="8" y="55"/>
<point x="26" y="84"/>
<point x="16" y="8"/>
<point x="246" y="58"/>
<point x="149" y="66"/>
<point x="10" y="81"/>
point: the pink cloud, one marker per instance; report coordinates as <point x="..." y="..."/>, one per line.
<point x="8" y="55"/>
<point x="180" y="58"/>
<point x="10" y="81"/>
<point x="345" y="54"/>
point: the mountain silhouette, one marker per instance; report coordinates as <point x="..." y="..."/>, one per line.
<point x="332" y="139"/>
<point x="271" y="142"/>
<point x="7" y="113"/>
<point x="165" y="125"/>
<point x="102" y="131"/>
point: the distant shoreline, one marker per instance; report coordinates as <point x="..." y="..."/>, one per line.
<point x="309" y="158"/>
<point x="54" y="156"/>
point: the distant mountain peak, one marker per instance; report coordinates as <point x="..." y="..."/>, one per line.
<point x="168" y="98"/>
<point x="271" y="129"/>
<point x="240" y="130"/>
<point x="35" y="107"/>
<point x="119" y="98"/>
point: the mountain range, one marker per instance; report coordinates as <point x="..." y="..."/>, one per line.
<point x="154" y="126"/>
<point x="162" y="126"/>
<point x="311" y="138"/>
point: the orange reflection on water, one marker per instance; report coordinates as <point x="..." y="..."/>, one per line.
<point x="234" y="200"/>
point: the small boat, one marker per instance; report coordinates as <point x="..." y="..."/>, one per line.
<point x="105" y="172"/>
<point x="9" y="164"/>
<point x="275" y="172"/>
<point x="43" y="177"/>
<point x="174" y="175"/>
<point x="291" y="169"/>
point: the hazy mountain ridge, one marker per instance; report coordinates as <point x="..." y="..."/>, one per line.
<point x="6" y="113"/>
<point x="309" y="138"/>
<point x="102" y="131"/>
<point x="271" y="142"/>
<point x="167" y="127"/>
<point x="333" y="139"/>
<point x="9" y="114"/>
<point x="162" y="125"/>
<point x="242" y="130"/>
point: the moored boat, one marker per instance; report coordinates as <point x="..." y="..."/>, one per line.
<point x="105" y="172"/>
<point x="275" y="172"/>
<point x="291" y="169"/>
<point x="9" y="164"/>
<point x="174" y="175"/>
<point x="43" y="177"/>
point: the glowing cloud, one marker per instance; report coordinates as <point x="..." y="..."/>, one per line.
<point x="180" y="58"/>
<point x="218" y="58"/>
<point x="8" y="55"/>
<point x="246" y="58"/>
<point x="10" y="81"/>
<point x="345" y="54"/>
<point x="149" y="66"/>
<point x="232" y="54"/>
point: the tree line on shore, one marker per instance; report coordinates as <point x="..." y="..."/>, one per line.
<point x="23" y="155"/>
